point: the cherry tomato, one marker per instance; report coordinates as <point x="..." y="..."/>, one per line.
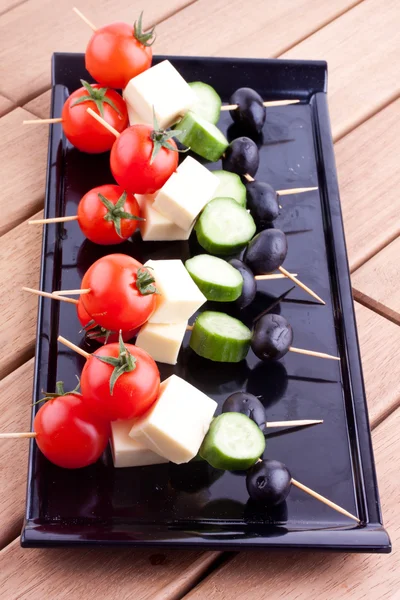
<point x="131" y="163"/>
<point x="108" y="215"/>
<point x="97" y="333"/>
<point x="121" y="292"/>
<point x="133" y="392"/>
<point x="81" y="129"/>
<point x="117" y="52"/>
<point x="68" y="434"/>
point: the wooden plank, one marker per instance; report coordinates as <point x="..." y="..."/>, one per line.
<point x="25" y="74"/>
<point x="147" y="574"/>
<point x="379" y="343"/>
<point x="5" y="105"/>
<point x="311" y="576"/>
<point x="236" y="28"/>
<point x="361" y="48"/>
<point x="40" y="106"/>
<point x="22" y="168"/>
<point x="19" y="266"/>
<point x="369" y="182"/>
<point x="6" y="5"/>
<point x="378" y="281"/>
<point x="15" y="401"/>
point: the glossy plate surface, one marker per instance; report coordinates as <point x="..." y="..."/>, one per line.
<point x="193" y="504"/>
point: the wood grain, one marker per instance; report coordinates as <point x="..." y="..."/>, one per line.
<point x="369" y="181"/>
<point x="379" y="343"/>
<point x="6" y="5"/>
<point x="66" y="574"/>
<point x="5" y="105"/>
<point x="262" y="29"/>
<point x="361" y="48"/>
<point x="55" y="28"/>
<point x="15" y="401"/>
<point x="19" y="266"/>
<point x="315" y="576"/>
<point x="23" y="151"/>
<point x="40" y="106"/>
<point x="378" y="280"/>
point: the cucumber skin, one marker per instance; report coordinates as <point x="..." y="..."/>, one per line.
<point x="199" y="143"/>
<point x="210" y="347"/>
<point x="215" y="292"/>
<point x="217" y="459"/>
<point x="214" y="248"/>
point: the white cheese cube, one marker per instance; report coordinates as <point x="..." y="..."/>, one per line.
<point x="176" y="424"/>
<point x="186" y="192"/>
<point x="163" y="88"/>
<point x="142" y="199"/>
<point x="129" y="452"/>
<point x="156" y="227"/>
<point x="179" y="295"/>
<point x="162" y="340"/>
<point x="133" y="117"/>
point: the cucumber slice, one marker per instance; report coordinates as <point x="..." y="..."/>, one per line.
<point x="208" y="104"/>
<point x="220" y="338"/>
<point x="216" y="278"/>
<point x="230" y="186"/>
<point x="202" y="137"/>
<point x="233" y="442"/>
<point x="224" y="227"/>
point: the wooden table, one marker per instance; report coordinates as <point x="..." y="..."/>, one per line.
<point x="360" y="39"/>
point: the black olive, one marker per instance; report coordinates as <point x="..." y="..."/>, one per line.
<point x="266" y="251"/>
<point x="249" y="289"/>
<point x="268" y="482"/>
<point x="272" y="337"/>
<point x="241" y="157"/>
<point x="262" y="200"/>
<point x="250" y="113"/>
<point x="247" y="404"/>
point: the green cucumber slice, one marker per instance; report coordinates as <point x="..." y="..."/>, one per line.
<point x="216" y="278"/>
<point x="230" y="186"/>
<point x="233" y="442"/>
<point x="208" y="104"/>
<point x="224" y="227"/>
<point x="220" y="338"/>
<point x="202" y="137"/>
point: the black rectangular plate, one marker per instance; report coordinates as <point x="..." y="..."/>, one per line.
<point x="193" y="505"/>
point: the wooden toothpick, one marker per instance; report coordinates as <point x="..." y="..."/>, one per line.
<point x="298" y="423"/>
<point x="72" y="292"/>
<point x="73" y="347"/>
<point x="189" y="327"/>
<point x="53" y="220"/>
<point x="42" y="121"/>
<point x="312" y="353"/>
<point x="266" y="103"/>
<point x="272" y="276"/>
<point x="22" y="434"/>
<point x="336" y="507"/>
<point x="290" y="191"/>
<point x="103" y="122"/>
<point x="300" y="284"/>
<point x="49" y="295"/>
<point x="248" y="177"/>
<point x="84" y="19"/>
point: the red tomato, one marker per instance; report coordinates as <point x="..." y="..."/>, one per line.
<point x="115" y="300"/>
<point x="134" y="391"/>
<point x="115" y="53"/>
<point x="68" y="434"/>
<point x="81" y="129"/>
<point x="130" y="160"/>
<point x="110" y="222"/>
<point x="97" y="333"/>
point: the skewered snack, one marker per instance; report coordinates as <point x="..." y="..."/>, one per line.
<point x="79" y="128"/>
<point x="241" y="157"/>
<point x="222" y="338"/>
<point x="208" y="103"/>
<point x="106" y="215"/>
<point x="230" y="186"/>
<point x="262" y="200"/>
